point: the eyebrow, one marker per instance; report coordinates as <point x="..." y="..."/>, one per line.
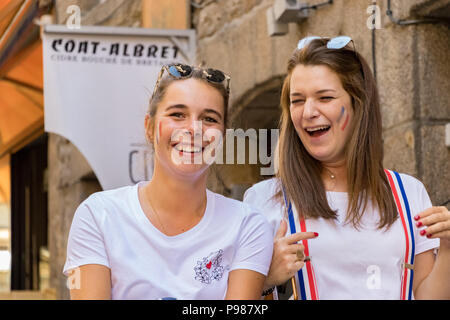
<point x="215" y="112"/>
<point x="317" y="92"/>
<point x="176" y="106"/>
<point x="325" y="90"/>
<point x="182" y="106"/>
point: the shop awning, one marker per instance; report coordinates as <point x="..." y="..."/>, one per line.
<point x="21" y="81"/>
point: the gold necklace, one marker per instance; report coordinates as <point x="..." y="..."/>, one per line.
<point x="332" y="176"/>
<point x="157" y="215"/>
<point x="159" y="219"/>
<point x="332" y="183"/>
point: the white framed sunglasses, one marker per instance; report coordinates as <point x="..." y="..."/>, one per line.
<point x="334" y="43"/>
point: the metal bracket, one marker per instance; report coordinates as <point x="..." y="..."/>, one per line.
<point x="390" y="14"/>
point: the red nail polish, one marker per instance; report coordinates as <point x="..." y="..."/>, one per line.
<point x="422" y="232"/>
<point x="417" y="217"/>
<point x="419" y="224"/>
<point x="429" y="235"/>
<point x="316" y="234"/>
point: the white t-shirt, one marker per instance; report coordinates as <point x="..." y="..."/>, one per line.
<point x="111" y="229"/>
<point x="346" y="260"/>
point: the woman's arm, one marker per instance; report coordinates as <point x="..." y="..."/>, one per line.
<point x="92" y="282"/>
<point x="245" y="285"/>
<point x="432" y="276"/>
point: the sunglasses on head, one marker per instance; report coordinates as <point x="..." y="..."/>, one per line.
<point x="184" y="71"/>
<point x="334" y="43"/>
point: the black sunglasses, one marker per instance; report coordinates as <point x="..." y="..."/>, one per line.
<point x="184" y="71"/>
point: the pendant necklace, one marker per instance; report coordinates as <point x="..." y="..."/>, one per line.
<point x="157" y="215"/>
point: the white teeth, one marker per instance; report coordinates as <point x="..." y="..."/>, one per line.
<point x="317" y="128"/>
<point x="187" y="148"/>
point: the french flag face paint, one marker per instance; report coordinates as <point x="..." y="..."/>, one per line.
<point x="346" y="118"/>
<point x="342" y="114"/>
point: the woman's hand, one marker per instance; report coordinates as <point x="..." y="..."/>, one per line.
<point x="436" y="221"/>
<point x="431" y="278"/>
<point x="288" y="256"/>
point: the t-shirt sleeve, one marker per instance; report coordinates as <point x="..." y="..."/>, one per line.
<point x="250" y="196"/>
<point x="85" y="244"/>
<point x="259" y="197"/>
<point x="255" y="244"/>
<point x="423" y="202"/>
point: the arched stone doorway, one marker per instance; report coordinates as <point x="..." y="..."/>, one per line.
<point x="70" y="181"/>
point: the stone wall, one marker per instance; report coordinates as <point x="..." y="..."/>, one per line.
<point x="71" y="180"/>
<point x="413" y="80"/>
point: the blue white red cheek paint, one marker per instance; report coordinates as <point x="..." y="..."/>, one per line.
<point x="341" y="115"/>
<point x="346" y="118"/>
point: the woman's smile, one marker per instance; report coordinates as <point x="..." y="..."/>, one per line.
<point x="317" y="131"/>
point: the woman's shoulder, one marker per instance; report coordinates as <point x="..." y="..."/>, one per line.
<point x="102" y="211"/>
<point x="261" y="192"/>
<point x="268" y="187"/>
<point x="409" y="182"/>
<point x="410" y="179"/>
<point x="224" y="203"/>
<point x="262" y="196"/>
<point x="113" y="198"/>
<point x="414" y="190"/>
<point x="235" y="211"/>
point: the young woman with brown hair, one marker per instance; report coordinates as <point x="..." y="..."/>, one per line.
<point x="331" y="181"/>
<point x="171" y="238"/>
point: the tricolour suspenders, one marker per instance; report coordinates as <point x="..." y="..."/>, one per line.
<point x="405" y="215"/>
<point x="305" y="280"/>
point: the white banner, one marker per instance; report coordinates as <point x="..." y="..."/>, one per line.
<point x="97" y="85"/>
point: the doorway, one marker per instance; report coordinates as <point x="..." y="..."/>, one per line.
<point x="28" y="214"/>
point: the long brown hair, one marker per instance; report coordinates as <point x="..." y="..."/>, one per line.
<point x="300" y="173"/>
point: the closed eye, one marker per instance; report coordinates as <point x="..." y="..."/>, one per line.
<point x="326" y="98"/>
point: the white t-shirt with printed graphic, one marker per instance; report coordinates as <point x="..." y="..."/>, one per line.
<point x="352" y="264"/>
<point x="111" y="229"/>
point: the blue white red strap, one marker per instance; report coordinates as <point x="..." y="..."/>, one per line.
<point x="404" y="211"/>
<point x="305" y="279"/>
